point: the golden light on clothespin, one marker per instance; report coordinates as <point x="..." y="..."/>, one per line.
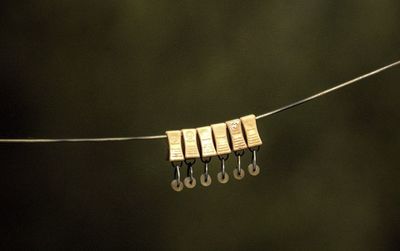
<point x="206" y="142"/>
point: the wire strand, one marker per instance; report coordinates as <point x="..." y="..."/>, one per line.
<point x="261" y="116"/>
<point x="320" y="94"/>
<point x="82" y="139"/>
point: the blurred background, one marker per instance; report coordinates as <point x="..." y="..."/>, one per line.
<point x="329" y="169"/>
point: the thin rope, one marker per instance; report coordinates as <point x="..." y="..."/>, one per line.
<point x="82" y="139"/>
<point x="320" y="94"/>
<point x="152" y="137"/>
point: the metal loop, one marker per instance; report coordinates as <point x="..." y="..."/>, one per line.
<point x="174" y="163"/>
<point x="223" y="166"/>
<point x="238" y="163"/>
<point x="205" y="160"/>
<point x="206" y="169"/>
<point x="190" y="172"/>
<point x="254" y="157"/>
<point x="257" y="148"/>
<point x="223" y="157"/>
<point x="177" y="174"/>
<point x="239" y="153"/>
<point x="190" y="162"/>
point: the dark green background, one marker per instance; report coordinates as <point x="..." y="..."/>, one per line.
<point x="330" y="169"/>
